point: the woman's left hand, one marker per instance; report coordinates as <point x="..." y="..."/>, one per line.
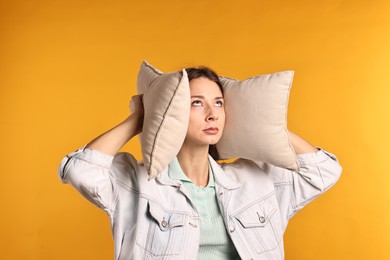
<point x="300" y="145"/>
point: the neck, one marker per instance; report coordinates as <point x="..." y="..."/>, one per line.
<point x="194" y="162"/>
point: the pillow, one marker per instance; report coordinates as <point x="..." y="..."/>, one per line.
<point x="256" y="120"/>
<point x="166" y="98"/>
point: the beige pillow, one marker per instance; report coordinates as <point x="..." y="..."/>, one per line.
<point x="166" y="103"/>
<point x="256" y="120"/>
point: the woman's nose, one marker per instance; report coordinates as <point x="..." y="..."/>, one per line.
<point x="212" y="115"/>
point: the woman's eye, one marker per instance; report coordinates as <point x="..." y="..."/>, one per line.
<point x="219" y="103"/>
<point x="197" y="103"/>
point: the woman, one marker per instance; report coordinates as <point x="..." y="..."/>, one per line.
<point x="195" y="208"/>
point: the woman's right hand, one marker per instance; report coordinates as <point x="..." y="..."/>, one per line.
<point x="137" y="110"/>
<point x="114" y="139"/>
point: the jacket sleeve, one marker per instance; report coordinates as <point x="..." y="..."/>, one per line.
<point x="318" y="172"/>
<point x="91" y="173"/>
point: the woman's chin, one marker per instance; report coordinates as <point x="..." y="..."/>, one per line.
<point x="213" y="140"/>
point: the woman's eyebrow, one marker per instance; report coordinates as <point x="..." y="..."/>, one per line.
<point x="203" y="97"/>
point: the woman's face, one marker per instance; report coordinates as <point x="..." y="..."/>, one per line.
<point x="207" y="114"/>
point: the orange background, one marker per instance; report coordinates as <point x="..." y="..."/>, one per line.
<point x="68" y="70"/>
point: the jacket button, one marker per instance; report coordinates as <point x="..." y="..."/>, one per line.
<point x="164" y="223"/>
<point x="262" y="219"/>
<point x="232" y="228"/>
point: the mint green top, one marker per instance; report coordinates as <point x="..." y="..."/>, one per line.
<point x="215" y="242"/>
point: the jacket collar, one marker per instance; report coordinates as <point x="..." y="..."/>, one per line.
<point x="164" y="179"/>
<point x="221" y="178"/>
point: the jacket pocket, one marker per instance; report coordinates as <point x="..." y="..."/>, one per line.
<point x="162" y="232"/>
<point x="261" y="226"/>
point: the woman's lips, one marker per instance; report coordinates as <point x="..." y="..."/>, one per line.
<point x="211" y="130"/>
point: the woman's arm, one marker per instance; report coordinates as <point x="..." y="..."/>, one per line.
<point x="300" y="145"/>
<point x="92" y="172"/>
<point x="114" y="139"/>
<point x="319" y="171"/>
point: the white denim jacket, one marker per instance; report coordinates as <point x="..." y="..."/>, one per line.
<point x="156" y="220"/>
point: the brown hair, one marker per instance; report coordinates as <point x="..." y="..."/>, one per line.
<point x="205" y="72"/>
